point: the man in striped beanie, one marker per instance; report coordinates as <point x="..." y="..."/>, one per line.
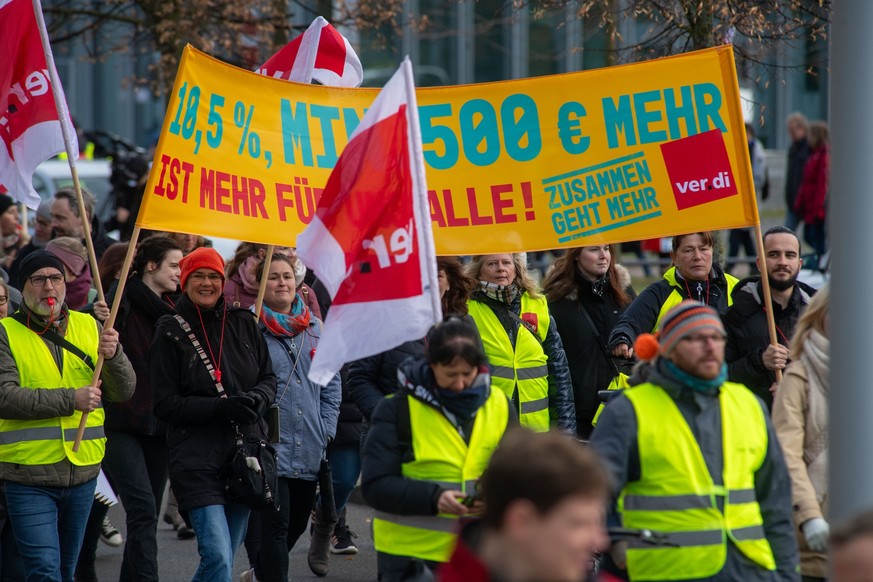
<point x="695" y="458"/>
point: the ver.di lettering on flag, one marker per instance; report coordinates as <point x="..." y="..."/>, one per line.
<point x="30" y="127"/>
<point x="370" y="240"/>
<point x="321" y="54"/>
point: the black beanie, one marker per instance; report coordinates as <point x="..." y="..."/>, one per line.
<point x="5" y="202"/>
<point x="35" y="261"/>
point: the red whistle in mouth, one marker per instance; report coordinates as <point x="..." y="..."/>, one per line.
<point x="50" y="301"/>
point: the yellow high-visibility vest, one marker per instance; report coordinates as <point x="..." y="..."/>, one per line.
<point x="675" y="297"/>
<point x="525" y="366"/>
<point x="676" y="494"/>
<point x="440" y="456"/>
<point x="49" y="440"/>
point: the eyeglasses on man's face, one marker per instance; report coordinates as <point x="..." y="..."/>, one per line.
<point x="39" y="280"/>
<point x="3" y="299"/>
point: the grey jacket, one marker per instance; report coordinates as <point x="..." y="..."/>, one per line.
<point x="615" y="439"/>
<point x="308" y="412"/>
<point x="17" y="402"/>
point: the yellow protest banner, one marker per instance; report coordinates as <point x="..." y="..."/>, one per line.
<point x="623" y="153"/>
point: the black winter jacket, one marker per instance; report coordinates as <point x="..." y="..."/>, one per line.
<point x="642" y="315"/>
<point x="382" y="481"/>
<point x="590" y="370"/>
<point x="371" y="379"/>
<point x="746" y="325"/>
<point x="138" y="313"/>
<point x="199" y="443"/>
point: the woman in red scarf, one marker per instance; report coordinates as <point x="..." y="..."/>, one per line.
<point x="307" y="416"/>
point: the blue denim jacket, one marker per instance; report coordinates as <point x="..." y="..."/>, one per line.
<point x="308" y="412"/>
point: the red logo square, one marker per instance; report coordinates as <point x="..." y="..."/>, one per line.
<point x="699" y="169"/>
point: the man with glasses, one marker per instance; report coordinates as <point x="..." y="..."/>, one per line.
<point x="47" y="356"/>
<point x="695" y="458"/>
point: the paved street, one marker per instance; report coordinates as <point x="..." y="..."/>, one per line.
<point x="178" y="558"/>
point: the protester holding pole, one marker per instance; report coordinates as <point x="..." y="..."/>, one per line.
<point x="136" y="450"/>
<point x="47" y="355"/>
<point x="693" y="275"/>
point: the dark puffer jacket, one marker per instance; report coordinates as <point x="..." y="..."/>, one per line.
<point x="589" y="368"/>
<point x="746" y="325"/>
<point x="371" y="379"/>
<point x="199" y="443"/>
<point x="642" y="315"/>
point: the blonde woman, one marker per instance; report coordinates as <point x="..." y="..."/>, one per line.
<point x="522" y="343"/>
<point x="800" y="416"/>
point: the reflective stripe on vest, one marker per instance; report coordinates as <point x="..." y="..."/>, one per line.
<point x="525" y="367"/>
<point x="441" y="457"/>
<point x="676" y="494"/>
<point x="50" y="440"/>
<point x="675" y="297"/>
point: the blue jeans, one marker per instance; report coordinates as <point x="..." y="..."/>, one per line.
<point x="49" y="524"/>
<point x="220" y="531"/>
<point x="345" y="467"/>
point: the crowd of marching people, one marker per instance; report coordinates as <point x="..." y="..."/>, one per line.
<point x="708" y="462"/>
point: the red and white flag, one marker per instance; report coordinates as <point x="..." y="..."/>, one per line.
<point x="370" y="240"/>
<point x="321" y="54"/>
<point x="30" y="130"/>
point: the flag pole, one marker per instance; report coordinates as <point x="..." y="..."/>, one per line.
<point x="110" y="322"/>
<point x="262" y="287"/>
<point x="765" y="286"/>
<point x="419" y="182"/>
<point x="63" y="115"/>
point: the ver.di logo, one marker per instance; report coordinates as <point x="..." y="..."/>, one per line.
<point x="699" y="169"/>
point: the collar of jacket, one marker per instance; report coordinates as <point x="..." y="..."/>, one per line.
<point x="417" y="378"/>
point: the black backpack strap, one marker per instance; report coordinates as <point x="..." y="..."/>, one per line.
<point x="57" y="340"/>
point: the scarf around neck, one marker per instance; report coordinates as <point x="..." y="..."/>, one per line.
<point x="503" y="293"/>
<point x="667" y="370"/>
<point x="287" y="324"/>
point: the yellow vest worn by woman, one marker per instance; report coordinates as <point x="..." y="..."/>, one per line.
<point x="676" y="494"/>
<point x="440" y="456"/>
<point x="525" y="366"/>
<point x="50" y="440"/>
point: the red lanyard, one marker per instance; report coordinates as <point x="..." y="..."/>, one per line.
<point x="216" y="363"/>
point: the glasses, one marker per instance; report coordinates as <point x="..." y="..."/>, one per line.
<point x="702" y="340"/>
<point x="39" y="280"/>
<point x="200" y="277"/>
<point x="3" y="299"/>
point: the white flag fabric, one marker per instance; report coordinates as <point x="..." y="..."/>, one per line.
<point x="321" y="54"/>
<point x="30" y="127"/>
<point x="370" y="240"/>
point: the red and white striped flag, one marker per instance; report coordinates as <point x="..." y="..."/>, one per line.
<point x="321" y="54"/>
<point x="370" y="240"/>
<point x="30" y="127"/>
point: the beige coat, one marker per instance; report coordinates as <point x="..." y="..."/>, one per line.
<point x="789" y="419"/>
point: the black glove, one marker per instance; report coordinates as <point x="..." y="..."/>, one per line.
<point x="235" y="409"/>
<point x="256" y="402"/>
